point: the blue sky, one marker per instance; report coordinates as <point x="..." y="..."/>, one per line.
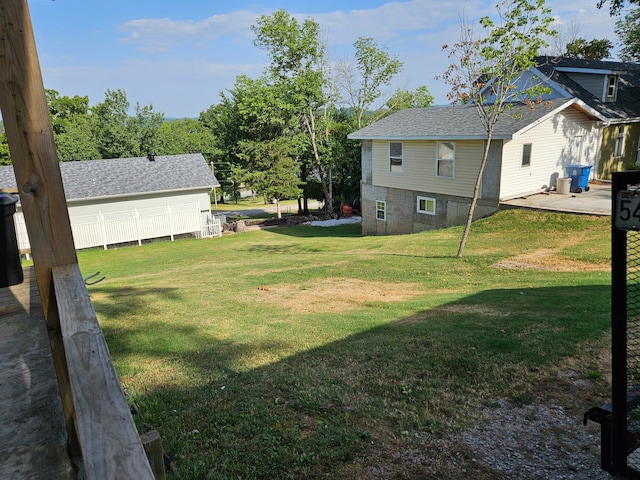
<point x="178" y="56"/>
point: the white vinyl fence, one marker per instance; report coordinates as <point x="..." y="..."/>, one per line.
<point x="136" y="225"/>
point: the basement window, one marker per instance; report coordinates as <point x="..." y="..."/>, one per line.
<point x="427" y="205"/>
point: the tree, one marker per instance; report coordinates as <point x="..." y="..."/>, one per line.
<point x="144" y="127"/>
<point x="615" y="6"/>
<point x="401" y="99"/>
<point x="596" y="49"/>
<point x="118" y="134"/>
<point x="5" y="157"/>
<point x="363" y="79"/>
<point x="273" y="172"/>
<point x="76" y="141"/>
<point x="64" y="110"/>
<point x="186" y="135"/>
<point x="488" y="71"/>
<point x="110" y="126"/>
<point x="296" y="74"/>
<point x="628" y="32"/>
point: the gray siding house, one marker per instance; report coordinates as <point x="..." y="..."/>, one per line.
<point x="123" y="200"/>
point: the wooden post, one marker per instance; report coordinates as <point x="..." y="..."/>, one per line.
<point x="35" y="163"/>
<point x="155" y="453"/>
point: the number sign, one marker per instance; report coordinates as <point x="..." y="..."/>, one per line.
<point x="627" y="210"/>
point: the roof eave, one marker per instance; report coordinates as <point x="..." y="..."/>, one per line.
<point x="430" y="137"/>
<point x="136" y="194"/>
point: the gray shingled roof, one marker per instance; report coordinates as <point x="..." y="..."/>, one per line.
<point x="126" y="176"/>
<point x="459" y="122"/>
<point x="627" y="104"/>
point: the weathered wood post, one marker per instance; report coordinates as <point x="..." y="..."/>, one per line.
<point x="35" y="163"/>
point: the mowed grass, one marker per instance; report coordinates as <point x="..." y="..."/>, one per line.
<point x="301" y="352"/>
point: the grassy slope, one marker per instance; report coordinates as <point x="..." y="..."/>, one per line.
<point x="289" y="353"/>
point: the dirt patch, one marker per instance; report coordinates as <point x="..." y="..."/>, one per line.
<point x="334" y="294"/>
<point x="539" y="437"/>
<point x="548" y="260"/>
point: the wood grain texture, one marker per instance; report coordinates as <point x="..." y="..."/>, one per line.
<point x="111" y="447"/>
<point x="35" y="163"/>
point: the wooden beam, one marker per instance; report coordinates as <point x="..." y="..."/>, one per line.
<point x="111" y="447"/>
<point x="155" y="453"/>
<point x="35" y="163"/>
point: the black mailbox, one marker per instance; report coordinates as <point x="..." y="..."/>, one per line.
<point x="10" y="265"/>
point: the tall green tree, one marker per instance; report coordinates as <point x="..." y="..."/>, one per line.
<point x="401" y="99"/>
<point x="72" y="127"/>
<point x="144" y="126"/>
<point x="363" y="78"/>
<point x="110" y="126"/>
<point x="77" y="142"/>
<point x="596" y="49"/>
<point x="627" y="30"/>
<point x="274" y="169"/>
<point x="487" y="71"/>
<point x="296" y="74"/>
<point x="186" y="135"/>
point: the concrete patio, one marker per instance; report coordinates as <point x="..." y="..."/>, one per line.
<point x="597" y="201"/>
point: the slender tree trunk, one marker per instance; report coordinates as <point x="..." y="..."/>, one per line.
<point x="476" y="194"/>
<point x="311" y="128"/>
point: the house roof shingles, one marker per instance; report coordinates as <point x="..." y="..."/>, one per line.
<point x="128" y="176"/>
<point x="627" y="104"/>
<point x="460" y="122"/>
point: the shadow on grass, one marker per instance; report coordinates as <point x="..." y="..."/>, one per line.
<point x="340" y="408"/>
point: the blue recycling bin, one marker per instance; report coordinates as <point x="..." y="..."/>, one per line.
<point x="579" y="175"/>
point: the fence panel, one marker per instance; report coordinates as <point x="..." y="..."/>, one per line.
<point x="136" y="225"/>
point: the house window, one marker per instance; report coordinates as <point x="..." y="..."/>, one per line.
<point x="612" y="87"/>
<point x="526" y="155"/>
<point x="619" y="146"/>
<point x="427" y="205"/>
<point x="395" y="157"/>
<point x="445" y="164"/>
<point x="381" y="210"/>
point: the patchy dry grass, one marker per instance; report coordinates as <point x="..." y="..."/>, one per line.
<point x="332" y="294"/>
<point x="313" y="352"/>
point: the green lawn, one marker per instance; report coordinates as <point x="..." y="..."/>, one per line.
<point x="304" y="352"/>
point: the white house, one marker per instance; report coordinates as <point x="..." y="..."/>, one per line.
<point x="124" y="200"/>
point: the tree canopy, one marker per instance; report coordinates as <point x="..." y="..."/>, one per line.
<point x="596" y="49"/>
<point x="628" y="31"/>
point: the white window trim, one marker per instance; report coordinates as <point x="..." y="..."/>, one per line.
<point x="619" y="138"/>
<point x="453" y="173"/>
<point x="522" y="165"/>
<point x="609" y="87"/>
<point x="384" y="210"/>
<point x="426" y="200"/>
<point x="401" y="159"/>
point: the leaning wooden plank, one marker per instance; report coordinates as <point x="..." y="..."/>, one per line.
<point x="35" y="163"/>
<point x="111" y="447"/>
